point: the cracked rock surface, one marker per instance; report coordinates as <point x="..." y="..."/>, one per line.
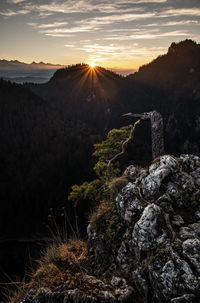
<point x="156" y="256"/>
<point x="159" y="251"/>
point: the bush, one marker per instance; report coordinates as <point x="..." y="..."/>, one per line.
<point x="97" y="190"/>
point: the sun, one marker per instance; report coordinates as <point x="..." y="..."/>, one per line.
<point x="92" y="64"/>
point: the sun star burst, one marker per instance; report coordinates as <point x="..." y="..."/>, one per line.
<point x="92" y="64"/>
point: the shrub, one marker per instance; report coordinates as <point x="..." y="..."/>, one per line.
<point x="97" y="189"/>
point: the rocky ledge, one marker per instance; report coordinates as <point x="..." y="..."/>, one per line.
<point x="157" y="254"/>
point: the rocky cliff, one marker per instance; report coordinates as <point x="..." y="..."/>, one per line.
<point x="144" y="247"/>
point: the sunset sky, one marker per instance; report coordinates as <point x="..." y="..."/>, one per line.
<point x="117" y="34"/>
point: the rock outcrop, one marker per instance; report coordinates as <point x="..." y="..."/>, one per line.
<point x="157" y="254"/>
<point x="159" y="251"/>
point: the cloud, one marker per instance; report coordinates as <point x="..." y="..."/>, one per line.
<point x="147" y="36"/>
<point x="126" y="15"/>
<point x="99" y="48"/>
<point x="88" y="6"/>
<point x="174" y="34"/>
<point x="173" y="23"/>
<point x="45" y="14"/>
<point x="182" y="22"/>
<point x="129" y="31"/>
<point x="99" y="53"/>
<point x="76" y="29"/>
<point x="181" y="12"/>
<point x="47" y="25"/>
<point x="69" y="45"/>
<point x="144" y="1"/>
<point x="116" y="18"/>
<point x="118" y="50"/>
<point x="72" y="29"/>
<point x="32" y="24"/>
<point x="15" y="1"/>
<point x="59" y="35"/>
<point x="10" y="13"/>
<point x="58" y="29"/>
<point x="108" y="7"/>
<point x="64" y="7"/>
<point x="54" y="24"/>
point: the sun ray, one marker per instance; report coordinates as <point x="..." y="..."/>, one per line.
<point x="84" y="75"/>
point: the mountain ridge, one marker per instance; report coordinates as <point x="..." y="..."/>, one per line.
<point x="20" y="72"/>
<point x="8" y="64"/>
<point x="181" y="66"/>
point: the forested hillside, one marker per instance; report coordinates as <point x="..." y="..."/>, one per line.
<point x="41" y="156"/>
<point x="177" y="71"/>
<point x="177" y="74"/>
<point x="96" y="96"/>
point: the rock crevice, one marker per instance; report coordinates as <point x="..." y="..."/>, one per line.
<point x="157" y="255"/>
<point x="160" y="248"/>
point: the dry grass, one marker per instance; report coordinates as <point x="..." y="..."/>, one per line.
<point x="116" y="185"/>
<point x="103" y="212"/>
<point x="15" y="292"/>
<point x="69" y="265"/>
<point x="73" y="251"/>
<point x="63" y="264"/>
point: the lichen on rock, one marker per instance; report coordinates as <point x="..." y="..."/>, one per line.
<point x="160" y="247"/>
<point x="152" y="254"/>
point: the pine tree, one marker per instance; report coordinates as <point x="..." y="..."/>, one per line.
<point x="96" y="190"/>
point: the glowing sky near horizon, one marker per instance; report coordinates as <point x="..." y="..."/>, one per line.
<point x="117" y="34"/>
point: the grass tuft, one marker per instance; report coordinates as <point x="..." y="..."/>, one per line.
<point x="61" y="264"/>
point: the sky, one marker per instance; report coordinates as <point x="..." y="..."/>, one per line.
<point x="117" y="34"/>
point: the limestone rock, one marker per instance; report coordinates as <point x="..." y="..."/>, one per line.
<point x="171" y="276"/>
<point x="160" y="248"/>
<point x="147" y="234"/>
<point x="128" y="203"/>
<point x="156" y="254"/>
<point x="153" y="181"/>
<point x="177" y="220"/>
<point x="186" y="233"/>
<point x="132" y="172"/>
<point x="191" y="251"/>
<point x="187" y="298"/>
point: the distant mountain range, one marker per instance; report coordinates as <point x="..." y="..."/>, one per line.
<point x="10" y="65"/>
<point x="20" y="72"/>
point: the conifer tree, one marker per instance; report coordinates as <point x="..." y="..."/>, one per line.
<point x="96" y="190"/>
